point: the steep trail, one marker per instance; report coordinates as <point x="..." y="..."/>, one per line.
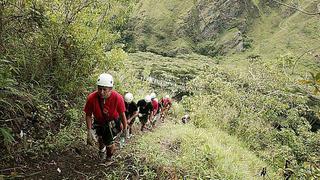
<point x="163" y="153"/>
<point x="78" y="161"/>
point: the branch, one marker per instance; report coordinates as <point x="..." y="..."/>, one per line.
<point x="101" y="19"/>
<point x="292" y="7"/>
<point x="81" y="173"/>
<point x="71" y="18"/>
<point x="9" y="169"/>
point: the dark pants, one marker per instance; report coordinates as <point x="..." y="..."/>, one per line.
<point x="108" y="131"/>
<point x="105" y="131"/>
<point x="143" y="119"/>
<point x="130" y="124"/>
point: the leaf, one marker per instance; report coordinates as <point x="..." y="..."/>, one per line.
<point x="317" y="78"/>
<point x="316" y="90"/>
<point x="312" y="75"/>
<point x="305" y="81"/>
<point x="7" y="136"/>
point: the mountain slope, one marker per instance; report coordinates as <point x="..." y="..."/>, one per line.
<point x="263" y="27"/>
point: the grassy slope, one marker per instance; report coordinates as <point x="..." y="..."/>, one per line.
<point x="173" y="145"/>
<point x="196" y="153"/>
<point x="187" y="150"/>
<point x="172" y="73"/>
<point x="164" y="18"/>
<point x="274" y="36"/>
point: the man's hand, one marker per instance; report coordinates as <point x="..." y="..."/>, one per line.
<point x="123" y="138"/>
<point x="129" y="120"/>
<point x="91" y="137"/>
<point x="124" y="133"/>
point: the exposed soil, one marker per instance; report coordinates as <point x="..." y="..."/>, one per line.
<point x="81" y="161"/>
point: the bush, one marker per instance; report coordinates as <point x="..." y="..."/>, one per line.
<point x="262" y="107"/>
<point x="49" y="52"/>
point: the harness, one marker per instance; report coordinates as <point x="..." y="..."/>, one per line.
<point x="112" y="125"/>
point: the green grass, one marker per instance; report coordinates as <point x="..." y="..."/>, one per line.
<point x="245" y="112"/>
<point x="157" y="23"/>
<point x="200" y="153"/>
<point x="274" y="34"/>
<point x="241" y="97"/>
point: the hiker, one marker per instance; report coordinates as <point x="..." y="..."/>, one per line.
<point x="131" y="111"/>
<point x="155" y="105"/>
<point x="145" y="111"/>
<point x="107" y="107"/>
<point x="165" y="106"/>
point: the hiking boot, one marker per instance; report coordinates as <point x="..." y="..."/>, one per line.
<point x="102" y="156"/>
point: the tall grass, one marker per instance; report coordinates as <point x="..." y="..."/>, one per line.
<point x="263" y="107"/>
<point x="191" y="153"/>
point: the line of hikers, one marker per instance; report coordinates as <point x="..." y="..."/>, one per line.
<point x="109" y="114"/>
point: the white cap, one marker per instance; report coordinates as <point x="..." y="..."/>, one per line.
<point x="147" y="98"/>
<point x="105" y="80"/>
<point x="128" y="97"/>
<point x="153" y="95"/>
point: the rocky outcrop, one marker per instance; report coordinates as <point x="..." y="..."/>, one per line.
<point x="208" y="19"/>
<point x="169" y="28"/>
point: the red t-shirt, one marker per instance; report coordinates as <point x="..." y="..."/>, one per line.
<point x="113" y="106"/>
<point x="166" y="102"/>
<point x="155" y="106"/>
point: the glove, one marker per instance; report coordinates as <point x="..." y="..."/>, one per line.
<point x="124" y="133"/>
<point x="123" y="137"/>
<point x="127" y="134"/>
<point x="122" y="142"/>
<point x="91" y="137"/>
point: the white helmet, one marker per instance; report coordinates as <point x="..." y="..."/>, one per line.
<point x="167" y="97"/>
<point x="153" y="95"/>
<point x="105" y="80"/>
<point x="147" y="98"/>
<point x="156" y="99"/>
<point x="128" y="97"/>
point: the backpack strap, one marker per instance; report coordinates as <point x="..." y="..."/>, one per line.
<point x="101" y="104"/>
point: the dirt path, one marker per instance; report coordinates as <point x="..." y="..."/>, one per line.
<point x="78" y="161"/>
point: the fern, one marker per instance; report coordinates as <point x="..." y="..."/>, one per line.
<point x="7" y="137"/>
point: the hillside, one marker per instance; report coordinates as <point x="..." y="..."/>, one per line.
<point x="247" y="72"/>
<point x="264" y="28"/>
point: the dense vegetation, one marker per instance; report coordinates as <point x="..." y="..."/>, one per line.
<point x="250" y="83"/>
<point x="49" y="51"/>
<point x="272" y="113"/>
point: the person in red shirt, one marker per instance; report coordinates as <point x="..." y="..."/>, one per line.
<point x="165" y="104"/>
<point x="107" y="107"/>
<point x="155" y="106"/>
